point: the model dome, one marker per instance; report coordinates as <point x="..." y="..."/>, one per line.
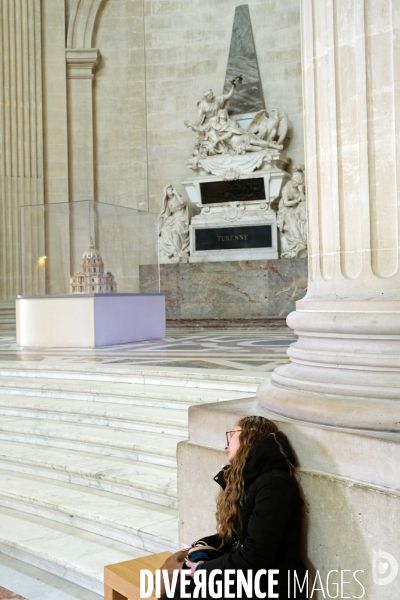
<point x="91" y="251"/>
<point x="91" y="278"/>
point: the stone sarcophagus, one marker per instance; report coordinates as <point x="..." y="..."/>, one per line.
<point x="237" y="221"/>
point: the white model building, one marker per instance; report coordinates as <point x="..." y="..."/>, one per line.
<point x="91" y="278"/>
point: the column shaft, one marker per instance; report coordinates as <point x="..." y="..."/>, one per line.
<point x="345" y="366"/>
<point x="352" y="105"/>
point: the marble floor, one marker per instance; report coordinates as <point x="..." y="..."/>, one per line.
<point x="260" y="351"/>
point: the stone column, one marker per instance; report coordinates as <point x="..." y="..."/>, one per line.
<point x="80" y="66"/>
<point x="345" y="366"/>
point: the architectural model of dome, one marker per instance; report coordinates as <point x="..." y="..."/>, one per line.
<point x="91" y="278"/>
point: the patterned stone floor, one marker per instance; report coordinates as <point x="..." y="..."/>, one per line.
<point x="232" y="350"/>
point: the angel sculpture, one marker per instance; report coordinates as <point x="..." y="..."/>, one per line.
<point x="270" y="127"/>
<point x="292" y="216"/>
<point x="173" y="225"/>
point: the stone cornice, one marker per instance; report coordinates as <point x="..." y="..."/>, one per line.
<point x="81" y="62"/>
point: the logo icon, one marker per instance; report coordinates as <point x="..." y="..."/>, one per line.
<point x="384" y="568"/>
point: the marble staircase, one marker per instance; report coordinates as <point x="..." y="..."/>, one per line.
<point x="88" y="460"/>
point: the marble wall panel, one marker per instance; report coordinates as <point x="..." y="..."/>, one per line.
<point x="243" y="59"/>
<point x="226" y="290"/>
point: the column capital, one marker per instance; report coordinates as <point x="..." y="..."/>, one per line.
<point x="81" y="62"/>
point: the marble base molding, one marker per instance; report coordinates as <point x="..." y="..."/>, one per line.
<point x="256" y="289"/>
<point x="344" y="369"/>
<point x="255" y="324"/>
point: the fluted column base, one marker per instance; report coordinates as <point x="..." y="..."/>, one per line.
<point x="344" y="370"/>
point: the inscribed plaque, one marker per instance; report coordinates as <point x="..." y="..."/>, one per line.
<point x="213" y="192"/>
<point x="234" y="238"/>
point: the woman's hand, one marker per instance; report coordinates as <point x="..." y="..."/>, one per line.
<point x="193" y="566"/>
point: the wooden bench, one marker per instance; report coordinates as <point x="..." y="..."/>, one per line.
<point x="122" y="580"/>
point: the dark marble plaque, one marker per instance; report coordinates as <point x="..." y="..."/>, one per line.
<point x="214" y="192"/>
<point x="234" y="238"/>
<point x="248" y="97"/>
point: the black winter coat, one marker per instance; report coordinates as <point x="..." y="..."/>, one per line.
<point x="269" y="520"/>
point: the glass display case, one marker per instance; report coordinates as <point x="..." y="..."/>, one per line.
<point x="86" y="247"/>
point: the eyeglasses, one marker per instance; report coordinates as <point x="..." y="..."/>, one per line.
<point x="229" y="434"/>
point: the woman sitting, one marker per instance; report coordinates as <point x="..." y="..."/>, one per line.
<point x="258" y="510"/>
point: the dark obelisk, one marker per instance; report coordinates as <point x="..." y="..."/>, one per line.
<point x="248" y="97"/>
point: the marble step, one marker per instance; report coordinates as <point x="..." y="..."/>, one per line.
<point x="7" y="322"/>
<point x="36" y="584"/>
<point x="140" y="524"/>
<point x="214" y="379"/>
<point x="7" y="317"/>
<point x="122" y="416"/>
<point x="142" y="481"/>
<point x="149" y="395"/>
<point x="143" y="446"/>
<point x="75" y="555"/>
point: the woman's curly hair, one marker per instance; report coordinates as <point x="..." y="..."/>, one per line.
<point x="253" y="429"/>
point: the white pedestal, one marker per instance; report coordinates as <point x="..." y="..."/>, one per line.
<point x="89" y="320"/>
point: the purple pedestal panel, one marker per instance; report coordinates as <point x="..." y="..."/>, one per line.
<point x="120" y="319"/>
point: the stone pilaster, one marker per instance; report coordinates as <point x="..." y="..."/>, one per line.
<point x="21" y="140"/>
<point x="345" y="367"/>
<point x="81" y="64"/>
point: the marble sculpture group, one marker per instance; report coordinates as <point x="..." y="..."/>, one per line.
<point x="226" y="151"/>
